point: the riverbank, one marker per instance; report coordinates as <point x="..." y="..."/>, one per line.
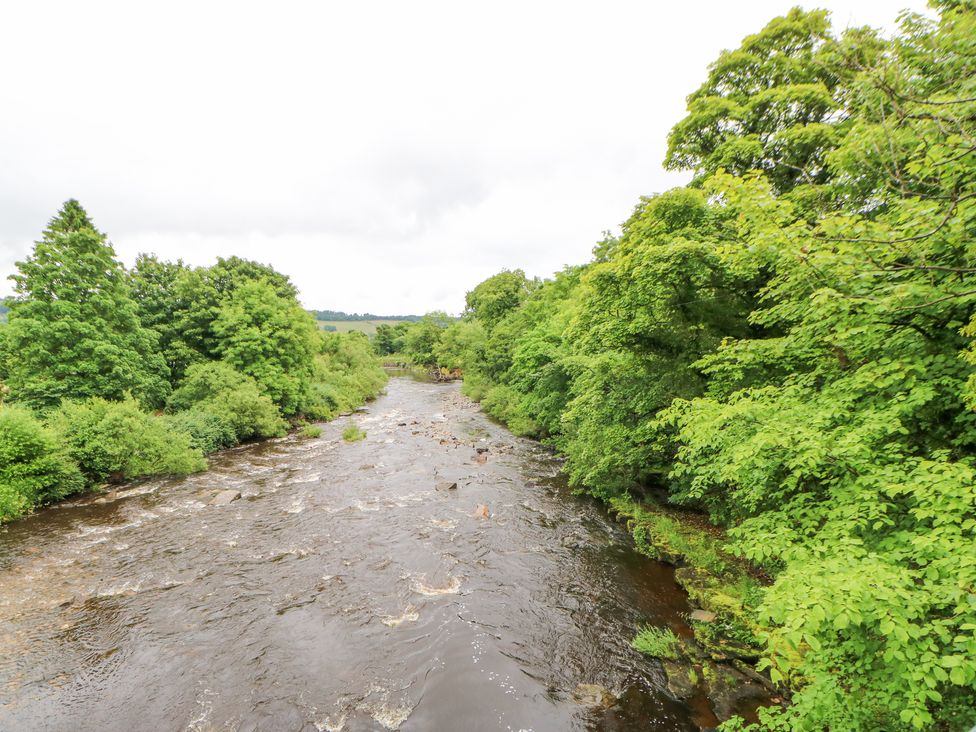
<point x="725" y="591"/>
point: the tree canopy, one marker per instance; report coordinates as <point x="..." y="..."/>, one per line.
<point x="73" y="327"/>
<point x="789" y="345"/>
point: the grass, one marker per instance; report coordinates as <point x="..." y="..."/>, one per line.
<point x="364" y="326"/>
<point x="657" y="642"/>
<point x="310" y="430"/>
<point x="664" y="537"/>
<point x="352" y="433"/>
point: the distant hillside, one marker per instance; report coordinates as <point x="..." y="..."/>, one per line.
<point x="333" y="315"/>
<point x="363" y="326"/>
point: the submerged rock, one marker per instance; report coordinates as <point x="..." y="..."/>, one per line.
<point x="225" y="497"/>
<point x="482" y="512"/>
<point x="593" y="695"/>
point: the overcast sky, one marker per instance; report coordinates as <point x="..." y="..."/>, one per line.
<point x="387" y="156"/>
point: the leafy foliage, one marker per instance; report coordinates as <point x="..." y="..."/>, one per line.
<point x="490" y="301"/>
<point x="218" y="389"/>
<point x="73" y="330"/>
<point x="86" y="339"/>
<point x="269" y="338"/>
<point x="657" y="642"/>
<point x="788" y="345"/>
<point x="117" y="441"/>
<point x="34" y="469"/>
<point x="346" y="375"/>
<point x="208" y="432"/>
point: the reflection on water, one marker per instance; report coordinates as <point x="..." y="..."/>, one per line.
<point x="342" y="591"/>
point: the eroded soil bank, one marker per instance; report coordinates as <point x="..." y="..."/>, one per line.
<point x="349" y="587"/>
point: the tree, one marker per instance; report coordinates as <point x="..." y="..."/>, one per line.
<point x="496" y="296"/>
<point x="774" y="104"/>
<point x="181" y="304"/>
<point x="389" y="338"/>
<point x="218" y="389"/>
<point x="421" y="338"/>
<point x="73" y="329"/>
<point x="160" y="296"/>
<point x="270" y="338"/>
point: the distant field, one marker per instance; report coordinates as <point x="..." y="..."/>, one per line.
<point x="366" y="326"/>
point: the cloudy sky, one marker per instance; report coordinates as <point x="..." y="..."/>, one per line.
<point x="386" y="155"/>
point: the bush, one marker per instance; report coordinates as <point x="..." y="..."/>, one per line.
<point x="505" y="404"/>
<point x="347" y="373"/>
<point x="352" y="433"/>
<point x="118" y="441"/>
<point x="217" y="388"/>
<point x="310" y="430"/>
<point x="34" y="468"/>
<point x="657" y="642"/>
<point x="208" y="432"/>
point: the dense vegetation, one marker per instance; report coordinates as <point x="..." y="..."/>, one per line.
<point x="786" y="344"/>
<point x="108" y="374"/>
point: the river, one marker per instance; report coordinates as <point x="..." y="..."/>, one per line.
<point x="349" y="588"/>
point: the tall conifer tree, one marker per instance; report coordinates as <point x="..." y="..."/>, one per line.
<point x="73" y="329"/>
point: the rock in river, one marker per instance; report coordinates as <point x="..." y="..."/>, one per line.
<point x="225" y="497"/>
<point x="593" y="695"/>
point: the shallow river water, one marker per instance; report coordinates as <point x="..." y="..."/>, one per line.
<point x="342" y="591"/>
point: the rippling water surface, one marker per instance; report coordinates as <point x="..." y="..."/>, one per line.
<point x="343" y="591"/>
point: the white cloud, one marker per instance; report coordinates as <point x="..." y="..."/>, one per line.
<point x="386" y="155"/>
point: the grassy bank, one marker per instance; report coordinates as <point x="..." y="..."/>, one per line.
<point x="716" y="581"/>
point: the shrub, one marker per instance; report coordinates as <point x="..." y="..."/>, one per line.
<point x="34" y="468"/>
<point x="310" y="430"/>
<point x="505" y="404"/>
<point x="219" y="389"/>
<point x="657" y="642"/>
<point x="208" y="432"/>
<point x="347" y="373"/>
<point x="352" y="433"/>
<point x="118" y="441"/>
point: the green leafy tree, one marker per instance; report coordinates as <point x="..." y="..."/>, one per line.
<point x="74" y="331"/>
<point x="182" y="304"/>
<point x="389" y="338"/>
<point x="421" y="339"/>
<point x="346" y="374"/>
<point x="775" y="104"/>
<point x="458" y="343"/>
<point x="161" y="295"/>
<point x="270" y="338"/>
<point x="789" y="346"/>
<point x="491" y="300"/>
